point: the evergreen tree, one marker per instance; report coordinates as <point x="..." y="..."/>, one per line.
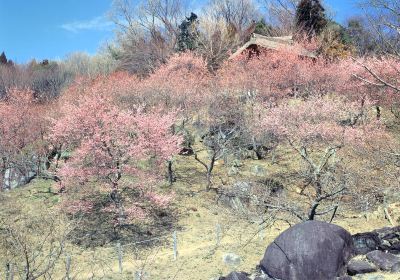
<point x="362" y="36"/>
<point x="263" y="28"/>
<point x="188" y="34"/>
<point x="310" y="17"/>
<point x="3" y="58"/>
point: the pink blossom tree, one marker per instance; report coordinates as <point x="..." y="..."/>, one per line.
<point x="23" y="128"/>
<point x="276" y="74"/>
<point x="379" y="79"/>
<point x="182" y="83"/>
<point x="113" y="150"/>
<point x="322" y="132"/>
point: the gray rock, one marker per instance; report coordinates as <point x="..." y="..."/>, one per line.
<point x="385" y="261"/>
<point x="237" y="163"/>
<point x="231" y="259"/>
<point x="236" y="276"/>
<point x="233" y="171"/>
<point x="258" y="170"/>
<point x="366" y="242"/>
<point x="310" y="250"/>
<point x="238" y="197"/>
<point x="384" y="239"/>
<point x="16" y="177"/>
<point x="242" y="188"/>
<point x="359" y="267"/>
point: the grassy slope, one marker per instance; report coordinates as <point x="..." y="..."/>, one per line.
<point x="199" y="257"/>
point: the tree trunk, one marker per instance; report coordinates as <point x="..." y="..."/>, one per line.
<point x="313" y="212"/>
<point x="209" y="172"/>
<point x="3" y="174"/>
<point x="116" y="198"/>
<point x="171" y="177"/>
<point x="257" y="150"/>
<point x="378" y="112"/>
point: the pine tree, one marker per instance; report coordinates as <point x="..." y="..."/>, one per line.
<point x="188" y="34"/>
<point x="263" y="28"/>
<point x="310" y="17"/>
<point x="3" y="58"/>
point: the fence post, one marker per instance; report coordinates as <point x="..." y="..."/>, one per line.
<point x="273" y="156"/>
<point x="218" y="234"/>
<point x="9" y="271"/>
<point x="175" y="245"/>
<point x="119" y="251"/>
<point x="67" y="267"/>
<point x="261" y="233"/>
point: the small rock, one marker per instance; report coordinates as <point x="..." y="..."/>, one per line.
<point x="187" y="151"/>
<point x="395" y="248"/>
<point x="236" y="276"/>
<point x="237" y="163"/>
<point x="385" y="261"/>
<point x="359" y="267"/>
<point x="385" y="245"/>
<point x="258" y="170"/>
<point x="233" y="171"/>
<point x="231" y="259"/>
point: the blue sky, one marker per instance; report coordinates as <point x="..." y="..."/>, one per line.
<point x="50" y="29"/>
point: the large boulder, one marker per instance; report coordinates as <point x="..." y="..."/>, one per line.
<point x="15" y="177"/>
<point x="310" y="250"/>
<point x="384" y="239"/>
<point x="385" y="261"/>
<point x="360" y="267"/>
<point x="366" y="242"/>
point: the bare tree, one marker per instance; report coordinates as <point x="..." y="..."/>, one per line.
<point x="82" y="64"/>
<point x="216" y="40"/>
<point x="147" y="32"/>
<point x="384" y="18"/>
<point x="281" y="14"/>
<point x="325" y="151"/>
<point x="223" y="130"/>
<point x="240" y="14"/>
<point x="33" y="244"/>
<point x="382" y="72"/>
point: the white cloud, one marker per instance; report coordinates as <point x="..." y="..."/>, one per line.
<point x="98" y="23"/>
